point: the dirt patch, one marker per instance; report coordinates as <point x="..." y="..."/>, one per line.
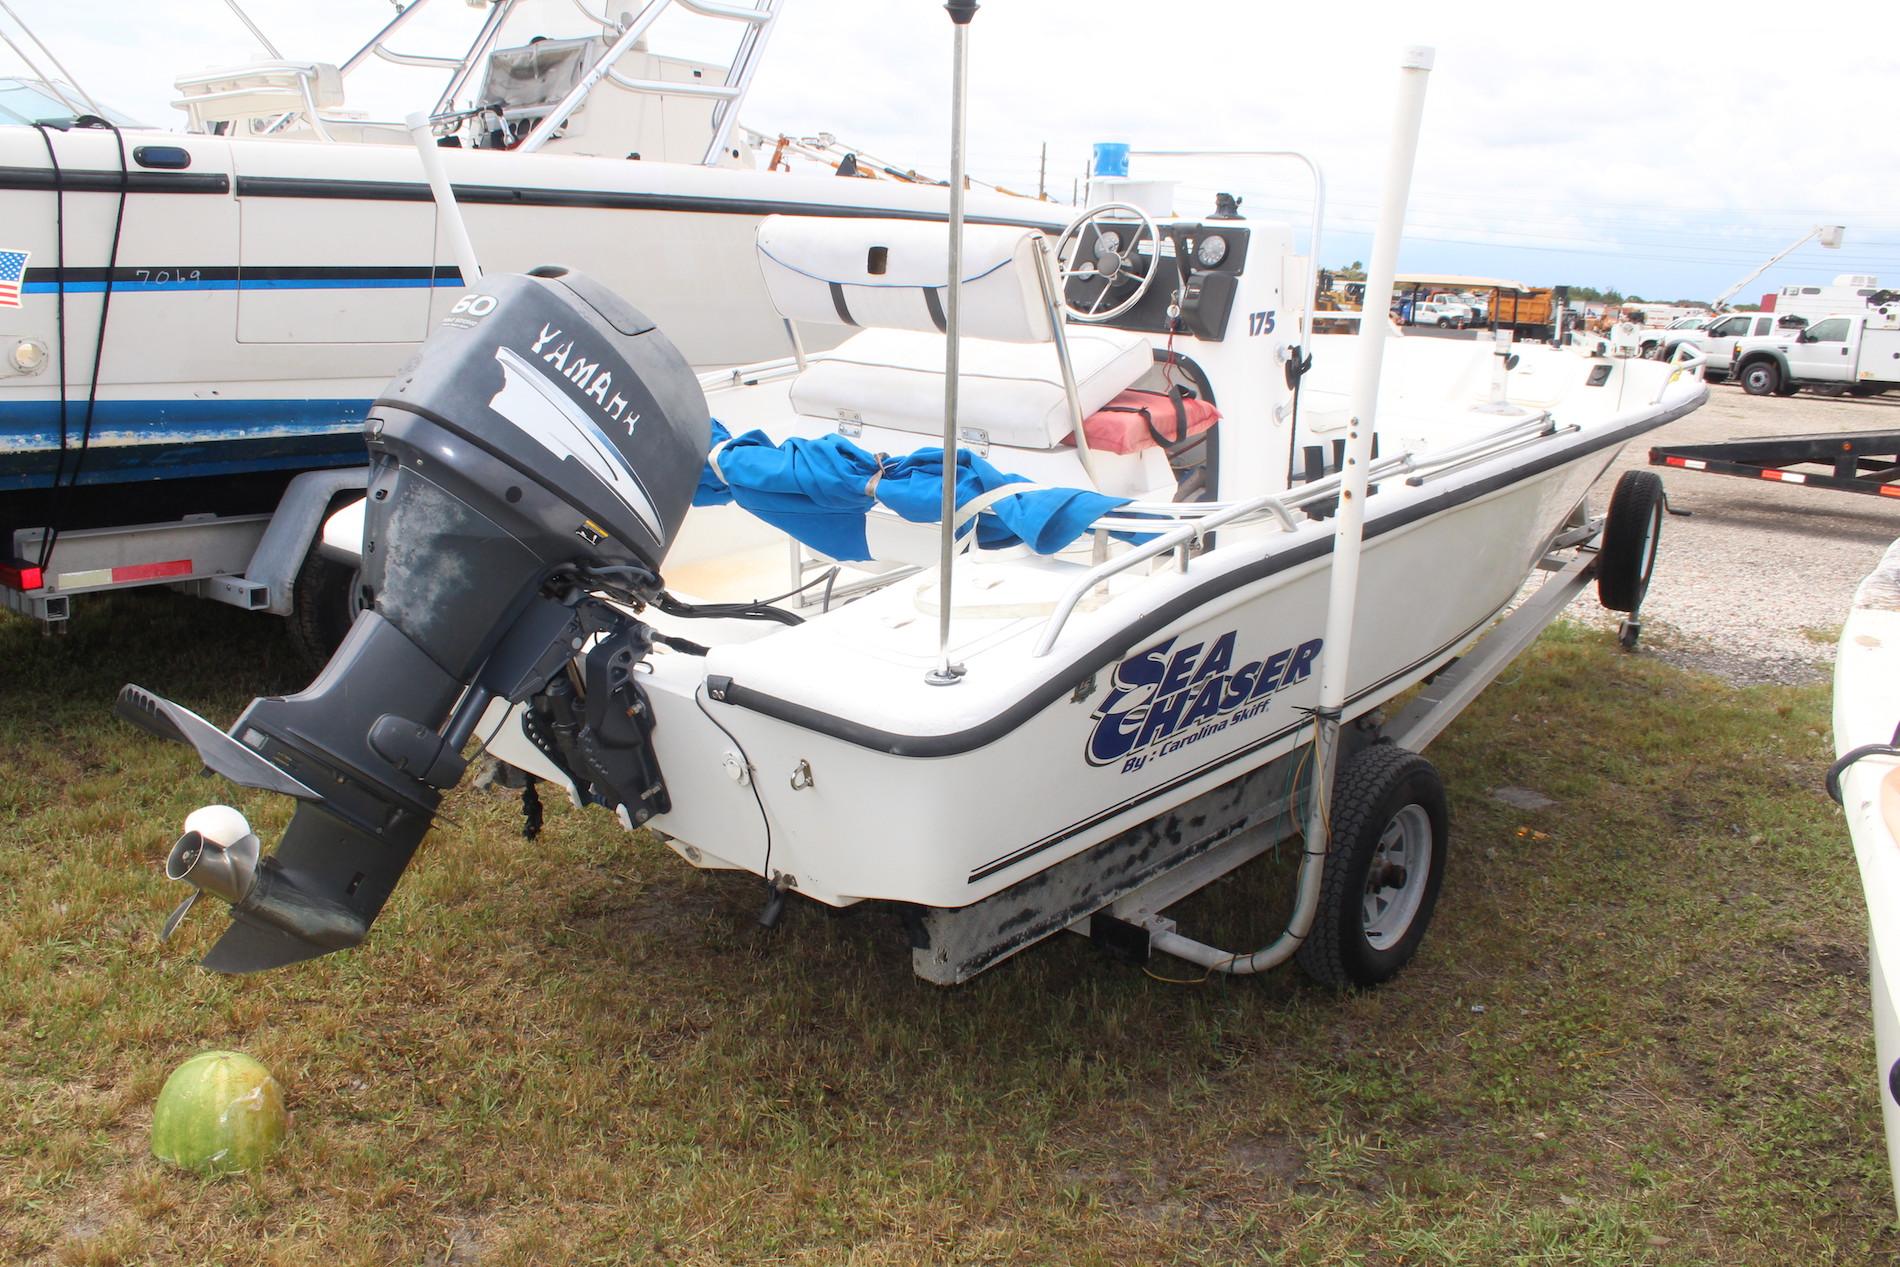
<point x="1268" y="1156"/>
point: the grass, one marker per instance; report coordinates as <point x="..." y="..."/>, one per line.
<point x="1638" y="1032"/>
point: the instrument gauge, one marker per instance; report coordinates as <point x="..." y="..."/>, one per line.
<point x="1108" y="240"/>
<point x="1211" y="250"/>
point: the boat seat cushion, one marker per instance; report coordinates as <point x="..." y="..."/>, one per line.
<point x="892" y="274"/>
<point x="1011" y="392"/>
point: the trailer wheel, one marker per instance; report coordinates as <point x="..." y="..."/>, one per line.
<point x="1868" y="389"/>
<point x="1384" y="865"/>
<point x="1761" y="378"/>
<point x="1787" y="388"/>
<point x="1628" y="554"/>
<point x="325" y="599"/>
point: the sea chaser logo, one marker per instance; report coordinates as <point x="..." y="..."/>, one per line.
<point x="1163" y="699"/>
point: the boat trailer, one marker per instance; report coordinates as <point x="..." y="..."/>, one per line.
<point x="1854" y="461"/>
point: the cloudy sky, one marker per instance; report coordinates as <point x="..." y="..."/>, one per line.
<point x="1664" y="149"/>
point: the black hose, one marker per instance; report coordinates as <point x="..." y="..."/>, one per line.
<point x="62" y="479"/>
<point x="1848" y="758"/>
<point x="59" y="309"/>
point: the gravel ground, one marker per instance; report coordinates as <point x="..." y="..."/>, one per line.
<point x="1755" y="585"/>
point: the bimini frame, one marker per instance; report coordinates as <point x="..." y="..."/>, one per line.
<point x="756" y="21"/>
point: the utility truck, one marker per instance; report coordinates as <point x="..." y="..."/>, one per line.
<point x="1858" y="354"/>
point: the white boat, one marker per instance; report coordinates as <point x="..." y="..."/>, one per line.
<point x="1160" y="676"/>
<point x="251" y="283"/>
<point x="1866" y="782"/>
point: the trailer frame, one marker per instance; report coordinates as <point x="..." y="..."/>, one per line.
<point x="1866" y="462"/>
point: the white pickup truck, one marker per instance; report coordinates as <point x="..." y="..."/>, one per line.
<point x="1857" y="354"/>
<point x="1716" y="339"/>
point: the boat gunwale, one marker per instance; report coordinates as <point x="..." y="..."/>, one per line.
<point x="724" y="689"/>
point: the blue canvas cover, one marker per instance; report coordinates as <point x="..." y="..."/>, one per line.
<point x="819" y="491"/>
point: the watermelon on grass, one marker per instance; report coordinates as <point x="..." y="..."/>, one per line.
<point x="220" y="1112"/>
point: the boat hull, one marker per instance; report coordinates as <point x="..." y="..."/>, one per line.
<point x="1866" y="711"/>
<point x="1162" y="711"/>
<point x="264" y="295"/>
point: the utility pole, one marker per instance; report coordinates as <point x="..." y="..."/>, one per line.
<point x="1042" y="175"/>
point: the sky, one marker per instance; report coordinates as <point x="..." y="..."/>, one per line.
<point x="1662" y="150"/>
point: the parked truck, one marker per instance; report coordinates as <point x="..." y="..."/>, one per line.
<point x="1849" y="292"/>
<point x="1858" y="354"/>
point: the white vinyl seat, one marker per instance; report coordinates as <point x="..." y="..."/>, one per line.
<point x="890" y="277"/>
<point x="1008" y="393"/>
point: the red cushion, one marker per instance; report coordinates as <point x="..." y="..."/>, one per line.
<point x="1123" y="424"/>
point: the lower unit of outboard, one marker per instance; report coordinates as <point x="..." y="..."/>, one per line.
<point x="539" y="452"/>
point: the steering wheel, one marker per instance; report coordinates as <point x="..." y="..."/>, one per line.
<point x="1114" y="265"/>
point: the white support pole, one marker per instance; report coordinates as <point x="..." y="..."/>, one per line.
<point x="446" y="206"/>
<point x="961" y="11"/>
<point x="1349" y="526"/>
<point x="1348" y="535"/>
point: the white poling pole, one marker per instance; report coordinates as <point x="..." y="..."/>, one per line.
<point x="1349" y="528"/>
<point x="1348" y="535"/>
<point x="445" y="203"/>
<point x="946" y="673"/>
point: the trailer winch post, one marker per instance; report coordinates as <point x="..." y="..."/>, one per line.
<point x="1348" y="536"/>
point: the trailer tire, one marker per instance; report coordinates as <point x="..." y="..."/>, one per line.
<point x="1389" y="812"/>
<point x="325" y="600"/>
<point x="1868" y="389"/>
<point x="1627" y="557"/>
<point x="1761" y="378"/>
<point x="1787" y="388"/>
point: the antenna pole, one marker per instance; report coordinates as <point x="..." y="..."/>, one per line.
<point x="961" y="11"/>
<point x="445" y="204"/>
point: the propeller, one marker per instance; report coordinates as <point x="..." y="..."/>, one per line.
<point x="217" y="854"/>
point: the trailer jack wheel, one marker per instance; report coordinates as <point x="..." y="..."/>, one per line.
<point x="1384" y="866"/>
<point x="1627" y="557"/>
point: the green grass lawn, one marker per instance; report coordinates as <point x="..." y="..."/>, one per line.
<point x="1638" y="1031"/>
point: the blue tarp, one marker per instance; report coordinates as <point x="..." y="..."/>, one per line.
<point x="820" y="490"/>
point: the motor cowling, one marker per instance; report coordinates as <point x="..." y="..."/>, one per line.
<point x="546" y="423"/>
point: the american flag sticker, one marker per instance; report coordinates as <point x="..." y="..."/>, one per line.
<point x="12" y="274"/>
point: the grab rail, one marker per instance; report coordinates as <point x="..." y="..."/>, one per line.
<point x="1278" y="505"/>
<point x="1687" y="357"/>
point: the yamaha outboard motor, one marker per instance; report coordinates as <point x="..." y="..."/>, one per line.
<point x="541" y="450"/>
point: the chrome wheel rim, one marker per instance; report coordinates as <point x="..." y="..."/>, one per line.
<point x="1395" y="880"/>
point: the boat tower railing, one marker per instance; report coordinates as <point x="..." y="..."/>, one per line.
<point x="298" y="84"/>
